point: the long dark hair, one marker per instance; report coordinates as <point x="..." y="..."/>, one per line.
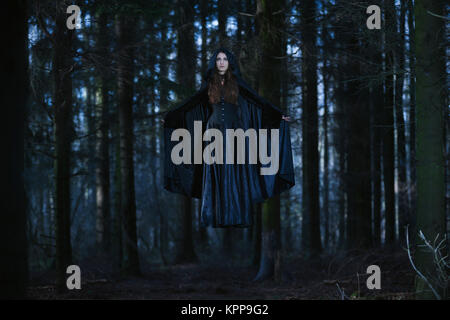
<point x="230" y="87"/>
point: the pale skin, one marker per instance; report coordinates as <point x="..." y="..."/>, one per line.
<point x="222" y="63"/>
<point x="222" y="67"/>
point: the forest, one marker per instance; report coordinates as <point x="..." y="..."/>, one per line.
<point x="365" y="84"/>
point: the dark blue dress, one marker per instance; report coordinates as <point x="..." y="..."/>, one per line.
<point x="227" y="191"/>
<point x="227" y="196"/>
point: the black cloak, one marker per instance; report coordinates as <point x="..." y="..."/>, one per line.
<point x="255" y="112"/>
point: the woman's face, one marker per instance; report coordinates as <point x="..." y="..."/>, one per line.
<point x="222" y="62"/>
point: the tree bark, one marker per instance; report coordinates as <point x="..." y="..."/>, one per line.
<point x="412" y="116"/>
<point x="117" y="243"/>
<point x="163" y="101"/>
<point x="403" y="205"/>
<point x="272" y="46"/>
<point x="431" y="92"/>
<point x="186" y="64"/>
<point x="15" y="91"/>
<point x="388" y="125"/>
<point x="257" y="233"/>
<point x="310" y="160"/>
<point x="358" y="156"/>
<point x="125" y="30"/>
<point x="102" y="147"/>
<point x="341" y="132"/>
<point x="377" y="91"/>
<point x="325" y="71"/>
<point x="203" y="67"/>
<point x="222" y="6"/>
<point x="62" y="69"/>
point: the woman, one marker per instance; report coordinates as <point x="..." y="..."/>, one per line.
<point x="227" y="190"/>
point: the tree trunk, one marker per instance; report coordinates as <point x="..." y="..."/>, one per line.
<point x="285" y="77"/>
<point x="288" y="243"/>
<point x="388" y="125"/>
<point x="325" y="163"/>
<point x="272" y="46"/>
<point x="13" y="221"/>
<point x="310" y="125"/>
<point x="185" y="251"/>
<point x="341" y="140"/>
<point x="62" y="68"/>
<point x="403" y="205"/>
<point x="377" y="101"/>
<point x="102" y="147"/>
<point x="203" y="67"/>
<point x="359" y="183"/>
<point x="257" y="232"/>
<point x="222" y="8"/>
<point x="431" y="84"/>
<point x="186" y="78"/>
<point x="325" y="39"/>
<point x="227" y="238"/>
<point x="412" y="117"/>
<point x="203" y="17"/>
<point x="164" y="92"/>
<point x="125" y="31"/>
<point x="117" y="243"/>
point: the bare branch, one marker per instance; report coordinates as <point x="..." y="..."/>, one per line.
<point x="246" y="14"/>
<point x="415" y="268"/>
<point x="437" y="16"/>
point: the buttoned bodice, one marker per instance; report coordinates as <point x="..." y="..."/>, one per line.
<point x="224" y="114"/>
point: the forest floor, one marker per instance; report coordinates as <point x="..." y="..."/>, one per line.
<point x="332" y="277"/>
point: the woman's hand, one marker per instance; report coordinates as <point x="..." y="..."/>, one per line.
<point x="286" y="118"/>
